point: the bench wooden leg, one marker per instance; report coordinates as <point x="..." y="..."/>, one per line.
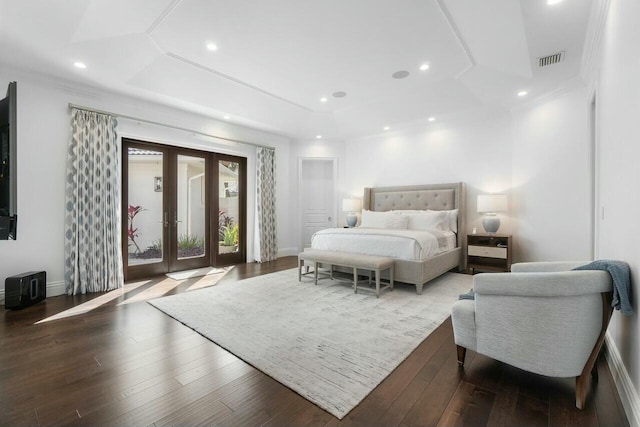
<point x="377" y="283"/>
<point x="355" y="280"/>
<point x="391" y="277"/>
<point x="315" y="272"/>
<point x="300" y="262"/>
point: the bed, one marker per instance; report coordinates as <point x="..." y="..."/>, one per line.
<point x="419" y="256"/>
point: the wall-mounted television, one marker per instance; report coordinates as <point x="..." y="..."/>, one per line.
<point x="8" y="184"/>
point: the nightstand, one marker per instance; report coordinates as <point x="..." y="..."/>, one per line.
<point x="488" y="252"/>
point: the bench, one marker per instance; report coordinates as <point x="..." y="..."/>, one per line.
<point x="372" y="263"/>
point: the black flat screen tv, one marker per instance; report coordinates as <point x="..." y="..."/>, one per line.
<point x="8" y="184"/>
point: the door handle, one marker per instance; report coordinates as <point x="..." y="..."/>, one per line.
<point x="166" y="219"/>
<point x="175" y="219"/>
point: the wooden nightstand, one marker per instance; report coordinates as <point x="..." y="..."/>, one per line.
<point x="488" y="252"/>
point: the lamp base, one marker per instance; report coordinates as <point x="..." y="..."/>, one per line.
<point x="491" y="224"/>
<point x="352" y="220"/>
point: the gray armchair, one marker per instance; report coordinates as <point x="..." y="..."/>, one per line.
<point x="541" y="317"/>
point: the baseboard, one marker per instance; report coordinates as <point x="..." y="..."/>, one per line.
<point x="287" y="252"/>
<point x="624" y="385"/>
<point x="53" y="289"/>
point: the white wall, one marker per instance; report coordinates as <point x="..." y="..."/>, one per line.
<point x="552" y="179"/>
<point x="474" y="148"/>
<point x="618" y="115"/>
<point x="43" y="133"/>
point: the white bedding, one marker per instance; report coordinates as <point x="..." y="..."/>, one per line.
<point x="410" y="245"/>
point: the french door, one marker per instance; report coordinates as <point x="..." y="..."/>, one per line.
<point x="169" y="196"/>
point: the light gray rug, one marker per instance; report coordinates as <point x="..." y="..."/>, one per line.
<point x="328" y="344"/>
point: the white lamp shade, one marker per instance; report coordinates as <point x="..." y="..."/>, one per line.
<point x="351" y="205"/>
<point x="492" y="203"/>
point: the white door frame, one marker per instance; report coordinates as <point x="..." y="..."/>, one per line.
<point x="596" y="214"/>
<point x="334" y="207"/>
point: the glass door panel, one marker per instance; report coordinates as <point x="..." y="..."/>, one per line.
<point x="228" y="207"/>
<point x="191" y="202"/>
<point x="144" y="209"/>
<point x="145" y="223"/>
<point x="229" y="237"/>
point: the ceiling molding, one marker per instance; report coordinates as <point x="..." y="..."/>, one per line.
<point x="568" y="86"/>
<point x="456" y="32"/>
<point x="163" y="16"/>
<point x="593" y="37"/>
<point x="232" y="79"/>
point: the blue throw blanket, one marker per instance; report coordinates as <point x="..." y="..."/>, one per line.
<point x="619" y="272"/>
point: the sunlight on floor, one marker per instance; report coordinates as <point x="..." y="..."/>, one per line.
<point x="155" y="291"/>
<point x="96" y="302"/>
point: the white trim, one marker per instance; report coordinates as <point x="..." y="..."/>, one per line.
<point x="458" y="36"/>
<point x="591" y="48"/>
<point x="566" y="87"/>
<point x="53" y="290"/>
<point x="626" y="390"/>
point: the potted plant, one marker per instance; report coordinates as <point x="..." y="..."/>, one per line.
<point x="229" y="242"/>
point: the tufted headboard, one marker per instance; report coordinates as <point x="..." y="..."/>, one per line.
<point x="436" y="197"/>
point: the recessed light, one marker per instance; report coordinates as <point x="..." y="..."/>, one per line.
<point x="339" y="94"/>
<point x="552" y="2"/>
<point x="400" y="74"/>
<point x="522" y="93"/>
<point x="227" y="117"/>
<point x="318" y="136"/>
<point x="212" y="46"/>
<point x="431" y="119"/>
<point x="386" y="128"/>
<point x="323" y="99"/>
<point x="80" y="65"/>
<point x="424" y="67"/>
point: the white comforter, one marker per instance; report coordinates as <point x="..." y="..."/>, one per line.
<point x="400" y="244"/>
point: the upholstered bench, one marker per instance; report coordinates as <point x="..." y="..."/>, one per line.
<point x="372" y="263"/>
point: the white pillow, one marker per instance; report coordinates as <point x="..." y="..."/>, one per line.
<point x="427" y="220"/>
<point x="452" y="219"/>
<point x="389" y="220"/>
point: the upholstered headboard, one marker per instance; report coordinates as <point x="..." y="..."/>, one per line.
<point x="436" y="197"/>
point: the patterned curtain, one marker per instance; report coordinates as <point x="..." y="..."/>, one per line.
<point x="93" y="256"/>
<point x="266" y="233"/>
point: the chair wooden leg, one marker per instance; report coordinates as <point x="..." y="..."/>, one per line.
<point x="462" y="352"/>
<point x="582" y="382"/>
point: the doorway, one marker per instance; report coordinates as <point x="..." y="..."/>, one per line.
<point x="317" y="182"/>
<point x="169" y="195"/>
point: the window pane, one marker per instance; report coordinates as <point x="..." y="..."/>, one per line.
<point x="145" y="209"/>
<point x="229" y="203"/>
<point x="191" y="192"/>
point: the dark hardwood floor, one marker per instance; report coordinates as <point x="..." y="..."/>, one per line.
<point x="128" y="364"/>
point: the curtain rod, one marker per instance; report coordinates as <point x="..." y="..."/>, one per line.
<point x="137" y="119"/>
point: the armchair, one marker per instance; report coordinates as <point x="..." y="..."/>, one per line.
<point x="541" y="317"/>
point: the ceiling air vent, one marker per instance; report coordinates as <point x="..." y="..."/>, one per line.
<point x="550" y="59"/>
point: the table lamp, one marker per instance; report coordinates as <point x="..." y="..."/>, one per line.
<point x="351" y="206"/>
<point x="489" y="204"/>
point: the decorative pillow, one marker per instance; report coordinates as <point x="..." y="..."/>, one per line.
<point x="452" y="219"/>
<point x="427" y="220"/>
<point x="389" y="220"/>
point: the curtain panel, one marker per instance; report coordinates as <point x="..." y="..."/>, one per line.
<point x="266" y="227"/>
<point x="93" y="255"/>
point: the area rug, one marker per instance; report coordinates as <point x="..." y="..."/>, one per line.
<point x="198" y="272"/>
<point x="326" y="343"/>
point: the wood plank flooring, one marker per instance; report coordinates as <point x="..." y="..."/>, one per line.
<point x="128" y="364"/>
